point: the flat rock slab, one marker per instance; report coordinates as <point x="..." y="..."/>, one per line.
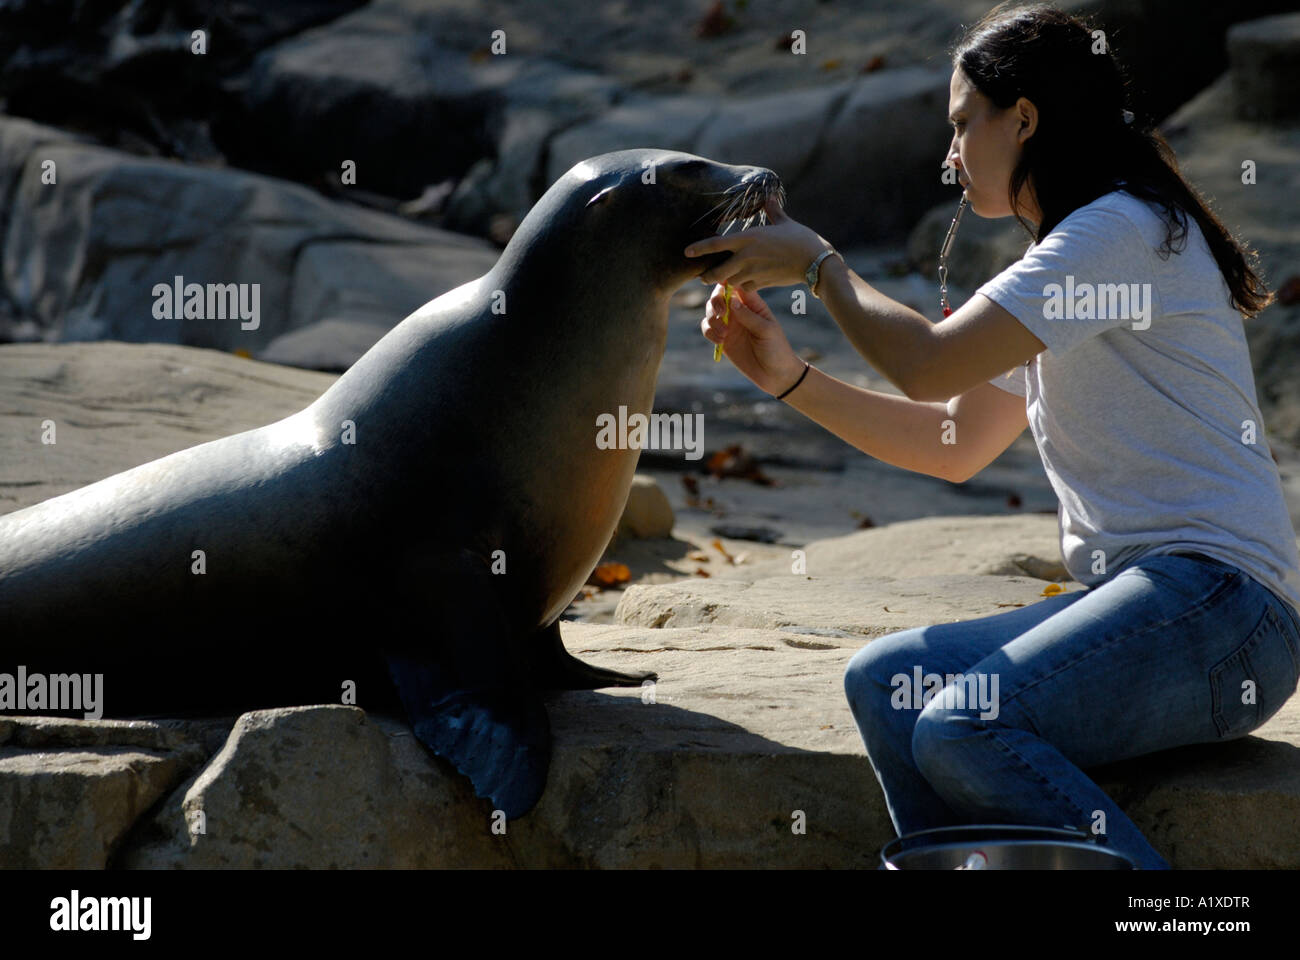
<point x="768" y="709"/>
<point x="115" y="406"/>
<point x="318" y="787"/>
<point x="746" y="741"/>
<point x="828" y="606"/>
<point x="1026" y="545"/>
<point x="70" y="790"/>
<point x="742" y="754"/>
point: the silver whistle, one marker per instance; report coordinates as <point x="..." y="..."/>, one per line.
<point x="943" y="257"/>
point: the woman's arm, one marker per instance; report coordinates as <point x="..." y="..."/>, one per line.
<point x="952" y="441"/>
<point x="928" y="362"/>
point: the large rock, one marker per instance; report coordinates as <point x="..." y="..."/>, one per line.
<point x="1265" y="58"/>
<point x="319" y="787"/>
<point x="834" y="606"/>
<point x="981" y="248"/>
<point x="747" y="724"/>
<point x="632" y="783"/>
<point x="745" y="731"/>
<point x="70" y="790"/>
<point x="82" y="256"/>
<point x="19" y="141"/>
<point x="346" y="295"/>
<point x="380" y="98"/>
<point x="384" y="88"/>
<point x="115" y="406"/>
<point x="496" y="194"/>
<point x="331" y="345"/>
<point x="417" y="94"/>
<point x="381" y="282"/>
<point x="127" y="70"/>
<point x="668" y="123"/>
<point x="745" y="735"/>
<point x="810" y="138"/>
<point x="1221" y="806"/>
<point x="1168" y="54"/>
<point x="892" y="121"/>
<point x="1215" y="147"/>
<point x="1017" y="545"/>
<point x="647" y="513"/>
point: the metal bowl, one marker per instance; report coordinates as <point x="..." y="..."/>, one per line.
<point x="1000" y="847"/>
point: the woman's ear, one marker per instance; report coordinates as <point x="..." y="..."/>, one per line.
<point x="1028" y="114"/>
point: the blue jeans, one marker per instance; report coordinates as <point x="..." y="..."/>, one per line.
<point x="1172" y="650"/>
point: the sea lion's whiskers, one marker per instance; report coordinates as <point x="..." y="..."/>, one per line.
<point x="742" y="202"/>
<point x="737" y="203"/>
<point x="720" y="203"/>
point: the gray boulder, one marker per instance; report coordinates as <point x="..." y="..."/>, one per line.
<point x="1265" y="59"/>
<point x="94" y="255"/>
<point x="70" y="790"/>
<point x="980" y="251"/>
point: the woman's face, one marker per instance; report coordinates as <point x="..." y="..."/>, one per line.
<point x="985" y="146"/>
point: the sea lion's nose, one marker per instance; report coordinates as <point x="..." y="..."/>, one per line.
<point x="761" y="175"/>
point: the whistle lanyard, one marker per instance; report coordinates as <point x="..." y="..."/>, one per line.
<point x="943" y="258"/>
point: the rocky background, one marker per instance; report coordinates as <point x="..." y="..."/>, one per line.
<point x="226" y="166"/>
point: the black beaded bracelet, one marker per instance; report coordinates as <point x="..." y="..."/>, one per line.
<point x="806" y="367"/>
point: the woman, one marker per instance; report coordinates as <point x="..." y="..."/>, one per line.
<point x="1144" y="410"/>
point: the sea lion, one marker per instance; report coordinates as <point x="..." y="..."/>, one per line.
<point x="420" y="527"/>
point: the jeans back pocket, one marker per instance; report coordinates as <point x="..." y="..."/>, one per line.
<point x="1253" y="683"/>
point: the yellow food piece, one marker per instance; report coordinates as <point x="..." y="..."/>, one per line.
<point x="726" y="319"/>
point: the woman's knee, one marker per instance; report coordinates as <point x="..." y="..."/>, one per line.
<point x="870" y="672"/>
<point x="936" y="735"/>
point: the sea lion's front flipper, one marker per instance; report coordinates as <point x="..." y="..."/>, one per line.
<point x="498" y="737"/>
<point x="560" y="670"/>
<point x="463" y="679"/>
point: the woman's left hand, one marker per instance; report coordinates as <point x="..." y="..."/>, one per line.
<point x="772" y="256"/>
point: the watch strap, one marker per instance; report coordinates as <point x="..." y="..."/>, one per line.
<point x="813" y="273"/>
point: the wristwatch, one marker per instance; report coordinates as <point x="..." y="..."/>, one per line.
<point x="812" y="274"/>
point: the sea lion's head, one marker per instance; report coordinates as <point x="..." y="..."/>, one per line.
<point x="624" y="218"/>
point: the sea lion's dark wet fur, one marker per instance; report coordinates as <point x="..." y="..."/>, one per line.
<point x="372" y="561"/>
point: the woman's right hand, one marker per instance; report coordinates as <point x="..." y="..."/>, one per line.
<point x="753" y="340"/>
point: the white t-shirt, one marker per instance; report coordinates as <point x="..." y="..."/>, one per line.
<point x="1145" y="412"/>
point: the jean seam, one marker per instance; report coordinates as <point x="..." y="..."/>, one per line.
<point x="1241" y="657"/>
<point x="1292" y="643"/>
<point x="1069" y="801"/>
<point x="1034" y="770"/>
<point x="1230" y="575"/>
<point x="1197" y="609"/>
<point x="1291" y="613"/>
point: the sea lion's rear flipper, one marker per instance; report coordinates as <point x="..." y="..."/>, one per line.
<point x="560" y="670"/>
<point x="498" y="737"/>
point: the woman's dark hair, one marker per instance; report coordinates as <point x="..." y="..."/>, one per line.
<point x="1047" y="56"/>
